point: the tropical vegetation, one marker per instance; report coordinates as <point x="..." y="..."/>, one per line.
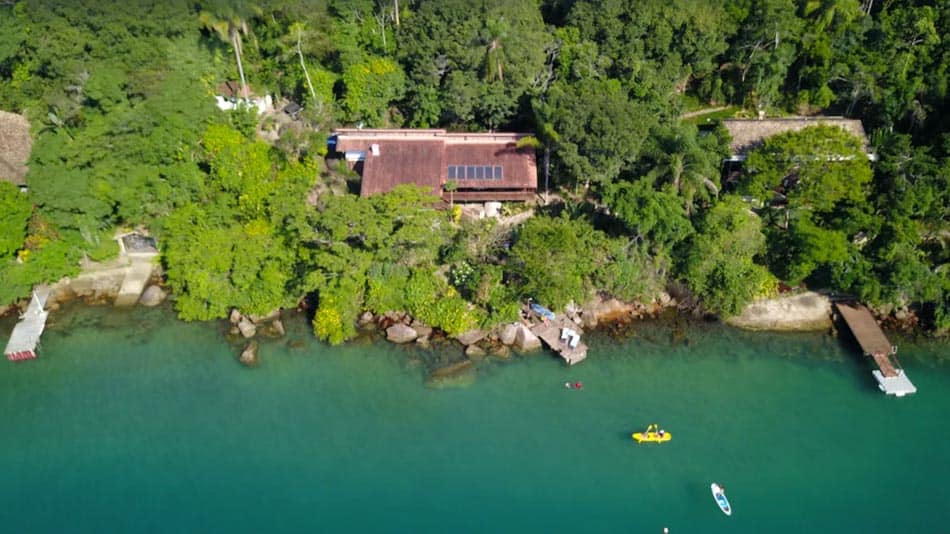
<point x="249" y="214"/>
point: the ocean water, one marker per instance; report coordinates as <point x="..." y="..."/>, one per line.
<point x="133" y="421"/>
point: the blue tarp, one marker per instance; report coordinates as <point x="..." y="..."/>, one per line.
<point x="542" y="311"/>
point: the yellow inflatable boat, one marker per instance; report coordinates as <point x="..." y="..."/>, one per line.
<point x="653" y="434"/>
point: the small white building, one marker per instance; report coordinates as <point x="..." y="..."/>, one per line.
<point x="229" y="97"/>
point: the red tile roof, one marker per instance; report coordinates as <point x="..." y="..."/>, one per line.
<point x="423" y="156"/>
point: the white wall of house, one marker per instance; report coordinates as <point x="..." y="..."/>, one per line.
<point x="261" y="104"/>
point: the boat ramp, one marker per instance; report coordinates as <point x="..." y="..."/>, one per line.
<point x="26" y="334"/>
<point x="889" y="375"/>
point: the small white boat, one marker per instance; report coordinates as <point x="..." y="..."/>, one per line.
<point x="720" y="495"/>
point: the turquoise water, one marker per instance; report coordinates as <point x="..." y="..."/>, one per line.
<point x="135" y="422"/>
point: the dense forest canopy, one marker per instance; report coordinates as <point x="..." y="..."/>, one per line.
<point x="621" y="95"/>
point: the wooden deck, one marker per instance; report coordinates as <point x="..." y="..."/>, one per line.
<point x="865" y="329"/>
<point x="891" y="378"/>
<point x="869" y="335"/>
<point x="550" y="333"/>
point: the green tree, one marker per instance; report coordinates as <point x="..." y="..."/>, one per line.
<point x="806" y="182"/>
<point x="370" y="88"/>
<point x="687" y="164"/>
<point x="720" y="266"/>
<point x="553" y="259"/>
<point x="600" y="130"/>
<point x="655" y="217"/>
<point x="471" y="67"/>
<point x="365" y="247"/>
<point x="655" y="48"/>
<point x="763" y="50"/>
<point x="248" y="229"/>
<point x="15" y="211"/>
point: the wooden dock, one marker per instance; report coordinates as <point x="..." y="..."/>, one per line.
<point x="550" y="333"/>
<point x="891" y="378"/>
<point x="26" y="334"/>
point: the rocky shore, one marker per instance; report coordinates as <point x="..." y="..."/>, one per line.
<point x="803" y="312"/>
<point x="807" y="311"/>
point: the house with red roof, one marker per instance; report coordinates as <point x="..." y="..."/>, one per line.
<point x="482" y="166"/>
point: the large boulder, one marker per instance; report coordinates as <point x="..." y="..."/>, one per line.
<point x="422" y="329"/>
<point x="247" y="328"/>
<point x="400" y="333"/>
<point x="803" y="312"/>
<point x="525" y="340"/>
<point x="249" y="356"/>
<point x="508" y="333"/>
<point x="152" y="296"/>
<point x="602" y="310"/>
<point x="471" y="337"/>
<point x="235" y="316"/>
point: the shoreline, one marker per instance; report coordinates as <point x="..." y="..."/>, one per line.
<point x="802" y="312"/>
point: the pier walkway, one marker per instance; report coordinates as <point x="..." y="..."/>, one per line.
<point x="890" y="377"/>
<point x="26" y="334"/>
<point x="551" y="332"/>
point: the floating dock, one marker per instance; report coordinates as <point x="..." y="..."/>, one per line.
<point x="890" y="377"/>
<point x="552" y="333"/>
<point x="26" y="334"/>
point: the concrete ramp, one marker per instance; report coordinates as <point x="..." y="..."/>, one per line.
<point x="135" y="280"/>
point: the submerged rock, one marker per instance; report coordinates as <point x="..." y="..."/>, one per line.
<point x="459" y="374"/>
<point x="273" y="329"/>
<point x="400" y="333"/>
<point x="272" y="316"/>
<point x="249" y="356"/>
<point x="152" y="296"/>
<point x="474" y="352"/>
<point x="500" y="351"/>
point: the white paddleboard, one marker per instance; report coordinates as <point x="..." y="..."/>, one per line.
<point x="721" y="499"/>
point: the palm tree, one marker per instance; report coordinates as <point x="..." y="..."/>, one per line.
<point x="229" y="22"/>
<point x="686" y="166"/>
<point x="492" y="37"/>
